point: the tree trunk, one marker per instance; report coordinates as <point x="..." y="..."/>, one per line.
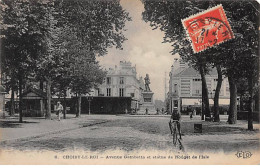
<point x="12" y="106"/>
<point x="205" y="98"/>
<point x="65" y="105"/>
<point x="48" y="113"/>
<point x="20" y="100"/>
<point x="241" y="106"/>
<point x="41" y="85"/>
<point x="232" y="117"/>
<point x="250" y="106"/>
<point x="257" y="100"/>
<point x="79" y="106"/>
<point x="216" y="96"/>
<point x="202" y="109"/>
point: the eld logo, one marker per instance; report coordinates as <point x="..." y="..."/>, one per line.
<point x="244" y="155"/>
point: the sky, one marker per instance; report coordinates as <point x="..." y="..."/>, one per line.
<point x="144" y="48"/>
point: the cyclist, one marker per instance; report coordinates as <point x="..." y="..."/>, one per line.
<point x="175" y="117"/>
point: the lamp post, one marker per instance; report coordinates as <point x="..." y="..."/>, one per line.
<point x="90" y="98"/>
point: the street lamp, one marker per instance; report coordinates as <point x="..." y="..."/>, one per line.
<point x="90" y="98"/>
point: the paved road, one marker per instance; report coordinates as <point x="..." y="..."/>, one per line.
<point x="130" y="133"/>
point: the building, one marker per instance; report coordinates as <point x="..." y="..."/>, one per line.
<point x="185" y="87"/>
<point x="34" y="102"/>
<point x="120" y="92"/>
<point x="122" y="81"/>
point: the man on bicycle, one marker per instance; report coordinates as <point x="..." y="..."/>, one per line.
<point x="175" y="117"/>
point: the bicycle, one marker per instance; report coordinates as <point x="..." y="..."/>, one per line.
<point x="174" y="132"/>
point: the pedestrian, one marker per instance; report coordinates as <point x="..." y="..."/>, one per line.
<point x="191" y="115"/>
<point x="59" y="109"/>
<point x="157" y="110"/>
<point x="194" y="112"/>
<point x="146" y="111"/>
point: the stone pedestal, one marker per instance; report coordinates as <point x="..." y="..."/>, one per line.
<point x="147" y="106"/>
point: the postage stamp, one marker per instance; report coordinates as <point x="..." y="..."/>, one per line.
<point x="208" y="28"/>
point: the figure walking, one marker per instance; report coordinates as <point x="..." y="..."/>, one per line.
<point x="59" y="109"/>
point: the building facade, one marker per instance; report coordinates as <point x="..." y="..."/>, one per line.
<point x="122" y="81"/>
<point x="185" y="86"/>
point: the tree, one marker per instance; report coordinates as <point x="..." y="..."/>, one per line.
<point x="167" y="15"/>
<point x="240" y="54"/>
<point x="51" y="63"/>
<point x="91" y="27"/>
<point x="97" y="25"/>
<point x="85" y="76"/>
<point x="231" y="57"/>
<point x="37" y="39"/>
<point x="23" y="40"/>
<point x="79" y="73"/>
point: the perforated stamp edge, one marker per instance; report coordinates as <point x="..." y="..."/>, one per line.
<point x="201" y="13"/>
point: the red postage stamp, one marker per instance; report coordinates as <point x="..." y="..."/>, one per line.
<point x="208" y="28"/>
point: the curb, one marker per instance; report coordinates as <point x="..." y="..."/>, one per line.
<point x="50" y="133"/>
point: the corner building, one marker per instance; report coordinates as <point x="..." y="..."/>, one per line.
<point x="185" y="87"/>
<point x="122" y="81"/>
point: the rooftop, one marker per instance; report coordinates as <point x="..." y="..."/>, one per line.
<point x="191" y="72"/>
<point x="38" y="92"/>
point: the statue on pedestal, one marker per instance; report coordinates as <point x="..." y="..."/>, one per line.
<point x="147" y="82"/>
<point x="147" y="106"/>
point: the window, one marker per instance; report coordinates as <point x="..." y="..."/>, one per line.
<point x="227" y="89"/>
<point x="175" y="88"/>
<point x="196" y="79"/>
<point x="121" y="92"/>
<point x="197" y="91"/>
<point x="121" y="81"/>
<point x="175" y="103"/>
<point x="147" y="100"/>
<point x="108" y="91"/>
<point x="108" y="80"/>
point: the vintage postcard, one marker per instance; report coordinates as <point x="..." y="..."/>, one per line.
<point x="129" y="82"/>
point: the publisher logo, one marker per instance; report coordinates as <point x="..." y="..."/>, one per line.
<point x="244" y="154"/>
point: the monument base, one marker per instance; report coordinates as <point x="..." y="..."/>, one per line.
<point x="147" y="106"/>
<point x="147" y="109"/>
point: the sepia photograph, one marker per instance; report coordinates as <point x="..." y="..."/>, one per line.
<point x="129" y="82"/>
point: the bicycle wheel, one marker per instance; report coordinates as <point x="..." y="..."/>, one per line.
<point x="170" y="126"/>
<point x="181" y="147"/>
<point x="174" y="135"/>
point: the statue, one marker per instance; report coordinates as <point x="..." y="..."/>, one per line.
<point x="147" y="82"/>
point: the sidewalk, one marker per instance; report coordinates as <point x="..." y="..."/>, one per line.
<point x="32" y="127"/>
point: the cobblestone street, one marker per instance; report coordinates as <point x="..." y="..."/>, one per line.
<point x="127" y="133"/>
